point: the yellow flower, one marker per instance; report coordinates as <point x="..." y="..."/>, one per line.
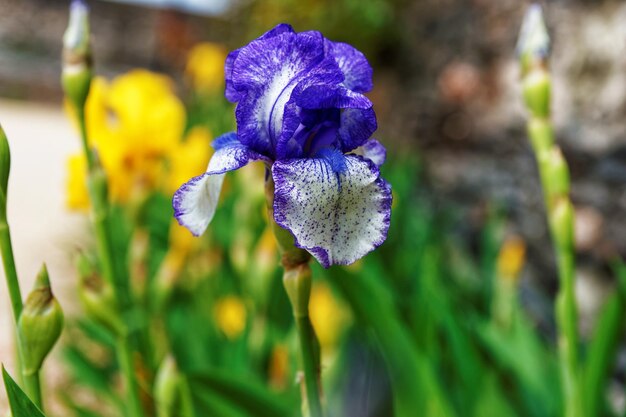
<point x="328" y="316"/>
<point x="190" y="159"/>
<point x="511" y="258"/>
<point x="205" y="67"/>
<point x="230" y="316"/>
<point x="77" y="195"/>
<point x="136" y="124"/>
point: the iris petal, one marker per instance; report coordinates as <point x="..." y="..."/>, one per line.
<point x="353" y="64"/>
<point x="195" y="201"/>
<point x="336" y="224"/>
<point x="374" y="151"/>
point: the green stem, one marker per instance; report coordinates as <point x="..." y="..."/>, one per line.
<point x="33" y="389"/>
<point x="9" y="270"/>
<point x="125" y="358"/>
<point x="101" y="218"/>
<point x="565" y="308"/>
<point x="309" y="349"/>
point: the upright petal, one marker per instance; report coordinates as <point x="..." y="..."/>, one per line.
<point x="337" y="216"/>
<point x="356" y="70"/>
<point x="231" y="93"/>
<point x="196" y="200"/>
<point x="269" y="70"/>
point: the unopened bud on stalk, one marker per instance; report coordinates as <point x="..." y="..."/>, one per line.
<point x="5" y="168"/>
<point x="76" y="75"/>
<point x="554" y="168"/>
<point x="40" y="324"/>
<point x="536" y="89"/>
<point x="97" y="296"/>
<point x="562" y="222"/>
<point x="533" y="45"/>
<point x="297" y="282"/>
<point x="167" y="388"/>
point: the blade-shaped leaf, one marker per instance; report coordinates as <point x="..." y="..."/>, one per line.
<point x="21" y="405"/>
<point x="239" y="393"/>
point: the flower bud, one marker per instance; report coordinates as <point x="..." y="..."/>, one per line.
<point x="562" y="223"/>
<point x="166" y="388"/>
<point x="76" y="75"/>
<point x="533" y="45"/>
<point x="97" y="296"/>
<point x="5" y="168"/>
<point x="555" y="172"/>
<point x="297" y="282"/>
<point x="536" y="88"/>
<point x="40" y="324"/>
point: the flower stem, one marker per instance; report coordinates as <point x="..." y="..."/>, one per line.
<point x="101" y="218"/>
<point x="554" y="175"/>
<point x="297" y="281"/>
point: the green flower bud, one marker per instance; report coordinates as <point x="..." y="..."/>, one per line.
<point x="5" y="168"/>
<point x="562" y="223"/>
<point x="533" y="45"/>
<point x="76" y="74"/>
<point x="167" y="388"/>
<point x="97" y="296"/>
<point x="536" y="88"/>
<point x="40" y="324"/>
<point x="556" y="173"/>
<point x="297" y="282"/>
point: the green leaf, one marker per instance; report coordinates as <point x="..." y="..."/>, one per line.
<point x="603" y="347"/>
<point x="21" y="405"/>
<point x="239" y="395"/>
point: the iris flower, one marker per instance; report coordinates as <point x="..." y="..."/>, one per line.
<point x="301" y="111"/>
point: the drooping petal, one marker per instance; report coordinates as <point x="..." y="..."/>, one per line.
<point x="268" y="70"/>
<point x="230" y="92"/>
<point x="196" y="200"/>
<point x="356" y="70"/>
<point x="373" y="150"/>
<point x="337" y="216"/>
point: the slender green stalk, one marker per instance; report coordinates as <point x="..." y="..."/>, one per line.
<point x="297" y="282"/>
<point x="125" y="358"/>
<point x="309" y="349"/>
<point x="9" y="270"/>
<point x="100" y="212"/>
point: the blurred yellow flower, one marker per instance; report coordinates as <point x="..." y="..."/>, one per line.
<point x="511" y="258"/>
<point x="329" y="317"/>
<point x="136" y="124"/>
<point x="205" y="67"/>
<point x="230" y="316"/>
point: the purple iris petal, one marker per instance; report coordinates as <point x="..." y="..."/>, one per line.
<point x="374" y="151"/>
<point x="337" y="225"/>
<point x="353" y="64"/>
<point x="355" y="127"/>
<point x="231" y="93"/>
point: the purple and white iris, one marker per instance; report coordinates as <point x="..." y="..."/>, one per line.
<point x="301" y="110"/>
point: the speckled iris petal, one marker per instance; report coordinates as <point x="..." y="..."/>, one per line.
<point x="268" y="70"/>
<point x="338" y="217"/>
<point x="353" y="64"/>
<point x="373" y="150"/>
<point x="230" y="92"/>
<point x="196" y="200"/>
